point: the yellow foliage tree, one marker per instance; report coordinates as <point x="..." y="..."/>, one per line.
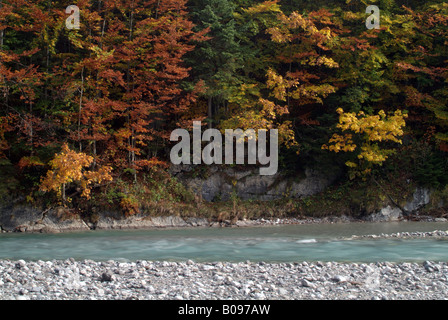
<point x="369" y="130"/>
<point x="69" y="166"/>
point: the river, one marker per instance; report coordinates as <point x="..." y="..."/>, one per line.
<point x="284" y="243"/>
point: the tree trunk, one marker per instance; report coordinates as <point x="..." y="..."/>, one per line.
<point x="405" y="212"/>
<point x="63" y="193"/>
<point x="131" y="153"/>
<point x="80" y="109"/>
<point x="1" y="48"/>
<point x="94" y="155"/>
<point x="157" y="9"/>
<point x="210" y="112"/>
<point x="1" y="31"/>
<point x="31" y="130"/>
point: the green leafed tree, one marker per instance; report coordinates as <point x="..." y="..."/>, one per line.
<point x="218" y="60"/>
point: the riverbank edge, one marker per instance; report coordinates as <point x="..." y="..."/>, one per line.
<point x="57" y="220"/>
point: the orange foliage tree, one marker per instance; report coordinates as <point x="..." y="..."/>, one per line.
<point x="69" y="166"/>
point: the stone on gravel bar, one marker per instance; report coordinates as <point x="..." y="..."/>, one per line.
<point x="106" y="277"/>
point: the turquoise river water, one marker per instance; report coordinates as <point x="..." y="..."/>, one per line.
<point x="287" y="243"/>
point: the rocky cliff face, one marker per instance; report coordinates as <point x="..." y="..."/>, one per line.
<point x="28" y="219"/>
<point x="248" y="184"/>
<point x="420" y="198"/>
<point x="23" y="218"/>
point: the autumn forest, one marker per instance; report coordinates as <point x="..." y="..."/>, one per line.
<point x="86" y="113"/>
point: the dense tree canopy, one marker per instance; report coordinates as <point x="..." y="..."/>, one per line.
<point x="113" y="90"/>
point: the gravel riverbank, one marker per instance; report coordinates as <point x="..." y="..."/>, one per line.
<point x="153" y="280"/>
<point x="437" y="234"/>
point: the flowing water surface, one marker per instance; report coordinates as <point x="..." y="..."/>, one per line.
<point x="287" y="243"/>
